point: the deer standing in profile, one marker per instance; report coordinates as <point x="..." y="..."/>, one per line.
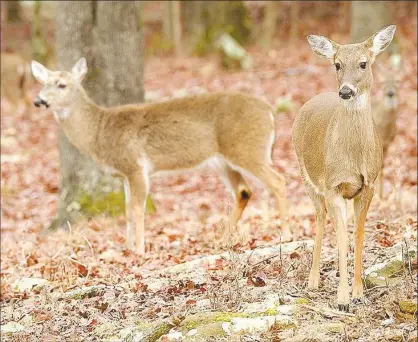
<point x="339" y="151"/>
<point x="231" y="132"/>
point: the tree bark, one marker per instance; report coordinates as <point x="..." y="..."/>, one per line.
<point x="271" y="13"/>
<point x="109" y="35"/>
<point x="14" y="11"/>
<point x="172" y="25"/>
<point x="40" y="49"/>
<point x="294" y="24"/>
<point x="367" y="17"/>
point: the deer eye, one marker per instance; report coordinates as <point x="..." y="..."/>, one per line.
<point x="337" y="66"/>
<point x="61" y="86"/>
<point x="363" y="65"/>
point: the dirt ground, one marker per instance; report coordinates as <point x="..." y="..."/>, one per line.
<point x="191" y="211"/>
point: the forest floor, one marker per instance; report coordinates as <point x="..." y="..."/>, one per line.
<point x="185" y="284"/>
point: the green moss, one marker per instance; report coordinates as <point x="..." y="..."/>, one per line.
<point x="408" y="306"/>
<point x="112" y="203"/>
<point x="196" y="320"/>
<point x="269" y="312"/>
<point x="386" y="275"/>
<point x="301" y="301"/>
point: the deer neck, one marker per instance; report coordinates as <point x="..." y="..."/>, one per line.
<point x="79" y="120"/>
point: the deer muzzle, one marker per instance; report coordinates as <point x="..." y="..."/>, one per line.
<point x="40" y="102"/>
<point x="346" y="93"/>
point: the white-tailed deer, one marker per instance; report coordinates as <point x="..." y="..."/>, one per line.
<point x="339" y="150"/>
<point x="231" y="132"/>
<point x="385" y="108"/>
<point x="15" y="79"/>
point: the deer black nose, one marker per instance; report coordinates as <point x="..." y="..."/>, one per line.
<point x="39" y="102"/>
<point x="346" y="93"/>
<point x="391" y="93"/>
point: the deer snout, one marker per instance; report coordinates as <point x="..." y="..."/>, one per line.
<point x="39" y="102"/>
<point x="391" y="93"/>
<point x="346" y="93"/>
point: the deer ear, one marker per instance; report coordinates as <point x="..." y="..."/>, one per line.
<point x="323" y="46"/>
<point x="39" y="72"/>
<point x="79" y="69"/>
<point x="380" y="40"/>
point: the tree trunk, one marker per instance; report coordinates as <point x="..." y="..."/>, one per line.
<point x="205" y="21"/>
<point x="14" y="13"/>
<point x="39" y="46"/>
<point x="109" y="35"/>
<point x="367" y="17"/>
<point x="172" y="24"/>
<point x="271" y="13"/>
<point x="294" y="21"/>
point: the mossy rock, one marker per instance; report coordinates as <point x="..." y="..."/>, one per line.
<point x="146" y="332"/>
<point x="206" y="332"/>
<point x="193" y="321"/>
<point x="408" y="306"/>
<point x="385" y="275"/>
<point x="86" y="292"/>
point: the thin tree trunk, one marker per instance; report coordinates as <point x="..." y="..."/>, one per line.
<point x="172" y="24"/>
<point x="294" y="17"/>
<point x="109" y="35"/>
<point x="39" y="46"/>
<point x="14" y="11"/>
<point x="271" y="13"/>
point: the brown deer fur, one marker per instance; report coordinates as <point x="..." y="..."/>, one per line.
<point x="339" y="150"/>
<point x="231" y="132"/>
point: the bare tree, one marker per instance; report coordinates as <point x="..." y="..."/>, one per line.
<point x="172" y="24"/>
<point x="14" y="11"/>
<point x="109" y="35"/>
<point x="271" y="14"/>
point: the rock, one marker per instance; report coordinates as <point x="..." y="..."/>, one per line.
<point x="413" y="336"/>
<point x="394" y="335"/>
<point x="259" y="324"/>
<point x="408" y="306"/>
<point x="174" y="336"/>
<point x="86" y="292"/>
<point x="232" y="53"/>
<point x="206" y="332"/>
<point x="27" y="284"/>
<point x="387" y="322"/>
<point x="12" y="327"/>
<point x="147" y="332"/>
<point x="337" y="328"/>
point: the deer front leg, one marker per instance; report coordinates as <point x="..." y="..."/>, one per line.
<point x="361" y="207"/>
<point x="338" y="211"/>
<point x="139" y="184"/>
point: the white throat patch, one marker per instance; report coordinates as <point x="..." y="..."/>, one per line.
<point x="62" y="114"/>
<point x="357" y="103"/>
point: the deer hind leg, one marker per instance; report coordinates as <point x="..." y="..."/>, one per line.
<point x="241" y="193"/>
<point x="337" y="209"/>
<point x="276" y="183"/>
<point x="139" y="184"/>
<point x="320" y="215"/>
<point x="361" y="207"/>
<point x="130" y="218"/>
